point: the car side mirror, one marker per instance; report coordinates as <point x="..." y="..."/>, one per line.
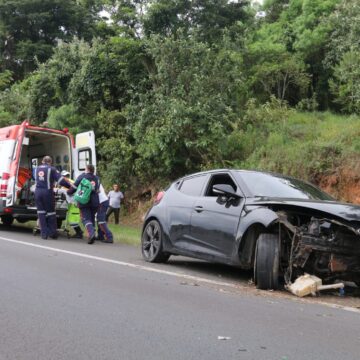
<point x="225" y="190"/>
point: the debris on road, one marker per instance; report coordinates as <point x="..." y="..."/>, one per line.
<point x="224" y="338"/>
<point x="310" y="284"/>
<point x="189" y="283"/>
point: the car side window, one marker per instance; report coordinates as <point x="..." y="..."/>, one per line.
<point x="193" y="186"/>
<point x="219" y="179"/>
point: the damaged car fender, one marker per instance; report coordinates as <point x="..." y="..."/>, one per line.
<point x="254" y="220"/>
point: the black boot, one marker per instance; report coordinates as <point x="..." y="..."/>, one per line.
<point x="91" y="239"/>
<point x="78" y="232"/>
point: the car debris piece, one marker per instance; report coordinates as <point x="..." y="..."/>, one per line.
<point x="310" y="284"/>
<point x="224" y="338"/>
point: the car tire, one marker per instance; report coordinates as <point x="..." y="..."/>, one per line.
<point x="152" y="243"/>
<point x="7" y="220"/>
<point x="267" y="259"/>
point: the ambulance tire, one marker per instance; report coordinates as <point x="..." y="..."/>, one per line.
<point x="7" y="220"/>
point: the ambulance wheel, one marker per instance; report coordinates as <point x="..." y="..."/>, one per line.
<point x="7" y="220"/>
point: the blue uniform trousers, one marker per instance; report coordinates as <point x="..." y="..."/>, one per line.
<point x="87" y="214"/>
<point x="45" y="204"/>
<point x="103" y="229"/>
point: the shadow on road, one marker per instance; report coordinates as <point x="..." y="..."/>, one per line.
<point x="203" y="268"/>
<point x="16" y="228"/>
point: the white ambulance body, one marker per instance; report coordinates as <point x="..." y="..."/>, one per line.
<point x="22" y="148"/>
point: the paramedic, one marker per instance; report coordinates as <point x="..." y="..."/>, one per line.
<point x="73" y="212"/>
<point x="88" y="210"/>
<point x="115" y="197"/>
<point x="104" y="233"/>
<point x="45" y="178"/>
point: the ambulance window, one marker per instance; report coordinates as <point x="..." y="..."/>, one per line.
<point x="84" y="158"/>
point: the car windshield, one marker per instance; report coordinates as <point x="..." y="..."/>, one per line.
<point x="269" y="185"/>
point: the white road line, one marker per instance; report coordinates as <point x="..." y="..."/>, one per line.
<point x="123" y="263"/>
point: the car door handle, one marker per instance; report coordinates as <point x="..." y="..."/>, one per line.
<point x="199" y="208"/>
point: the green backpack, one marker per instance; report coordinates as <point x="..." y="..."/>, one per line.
<point x="83" y="191"/>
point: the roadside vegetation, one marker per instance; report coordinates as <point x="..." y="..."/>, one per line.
<point x="176" y="86"/>
<point x="126" y="234"/>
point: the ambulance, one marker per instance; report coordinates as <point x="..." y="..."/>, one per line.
<point x="22" y="148"/>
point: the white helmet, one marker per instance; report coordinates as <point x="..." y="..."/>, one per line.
<point x="65" y="173"/>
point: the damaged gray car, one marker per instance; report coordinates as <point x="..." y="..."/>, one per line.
<point x="279" y="226"/>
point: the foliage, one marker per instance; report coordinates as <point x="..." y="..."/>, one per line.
<point x="194" y="97"/>
<point x="5" y="79"/>
<point x="41" y="23"/>
<point x="206" y="19"/>
<point x="345" y="84"/>
<point x="345" y="31"/>
<point x="176" y="86"/>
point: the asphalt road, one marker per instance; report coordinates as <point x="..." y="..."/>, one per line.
<point x="64" y="299"/>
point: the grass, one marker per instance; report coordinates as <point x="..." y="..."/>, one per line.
<point x="126" y="234"/>
<point x="307" y="144"/>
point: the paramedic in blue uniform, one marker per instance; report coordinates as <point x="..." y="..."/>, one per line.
<point x="45" y="178"/>
<point x="88" y="211"/>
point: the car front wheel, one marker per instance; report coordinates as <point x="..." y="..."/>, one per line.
<point x="267" y="257"/>
<point x="152" y="243"/>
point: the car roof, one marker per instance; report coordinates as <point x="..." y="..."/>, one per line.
<point x="228" y="170"/>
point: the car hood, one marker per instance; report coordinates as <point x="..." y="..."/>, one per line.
<point x="349" y="212"/>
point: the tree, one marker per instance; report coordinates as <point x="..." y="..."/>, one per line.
<point x="345" y="84"/>
<point x="345" y="31"/>
<point x="5" y="79"/>
<point x="206" y="19"/>
<point x="272" y="66"/>
<point x="301" y="26"/>
<point x="30" y="29"/>
<point x="179" y="124"/>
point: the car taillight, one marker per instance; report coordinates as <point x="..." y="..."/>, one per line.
<point x="8" y="210"/>
<point x="159" y="196"/>
<point x="4" y="184"/>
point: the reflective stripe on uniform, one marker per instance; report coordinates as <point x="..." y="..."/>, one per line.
<point x="59" y="181"/>
<point x="48" y="178"/>
<point x="73" y="186"/>
<point x="41" y="212"/>
<point x="101" y="222"/>
<point x="88" y="223"/>
<point x="51" y="214"/>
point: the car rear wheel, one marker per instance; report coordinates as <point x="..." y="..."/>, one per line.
<point x="152" y="243"/>
<point x="267" y="257"/>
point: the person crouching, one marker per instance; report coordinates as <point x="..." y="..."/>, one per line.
<point x="73" y="212"/>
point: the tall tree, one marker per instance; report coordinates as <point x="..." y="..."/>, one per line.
<point x="29" y="29"/>
<point x="205" y="18"/>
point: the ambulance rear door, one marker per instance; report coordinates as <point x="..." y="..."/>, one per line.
<point x="10" y="157"/>
<point x="84" y="153"/>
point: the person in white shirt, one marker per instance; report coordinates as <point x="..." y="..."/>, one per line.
<point x="115" y="197"/>
<point x="104" y="233"/>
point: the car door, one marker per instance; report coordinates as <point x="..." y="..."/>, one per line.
<point x="180" y="205"/>
<point x="214" y="222"/>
